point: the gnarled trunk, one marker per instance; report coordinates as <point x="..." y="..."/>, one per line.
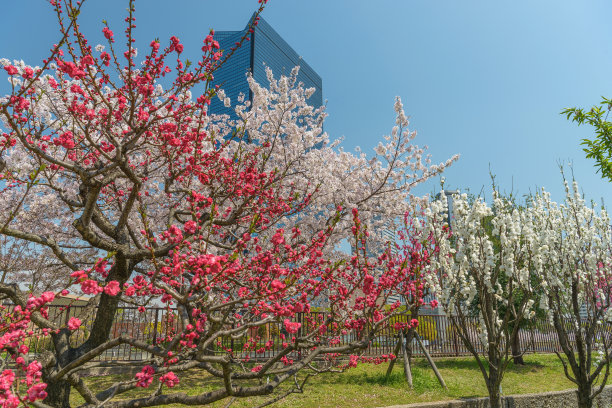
<point x="58" y="391"/>
<point x="58" y="394"/>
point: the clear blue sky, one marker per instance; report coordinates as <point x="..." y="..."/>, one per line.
<point x="486" y="79"/>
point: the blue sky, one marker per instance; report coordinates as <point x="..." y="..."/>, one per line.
<point x="486" y="79"/>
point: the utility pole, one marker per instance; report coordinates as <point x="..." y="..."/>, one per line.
<point x="449" y="202"/>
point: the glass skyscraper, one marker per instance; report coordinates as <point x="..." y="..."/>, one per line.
<point x="266" y="48"/>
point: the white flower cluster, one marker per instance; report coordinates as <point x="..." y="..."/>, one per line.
<point x="379" y="186"/>
<point x="560" y="252"/>
<point x="575" y="245"/>
<point x="487" y="255"/>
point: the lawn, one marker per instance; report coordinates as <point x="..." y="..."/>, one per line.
<point x="366" y="385"/>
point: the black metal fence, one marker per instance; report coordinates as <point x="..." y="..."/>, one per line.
<point x="154" y="324"/>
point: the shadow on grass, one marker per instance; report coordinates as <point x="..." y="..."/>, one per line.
<point x="527" y="367"/>
<point x="199" y="381"/>
<point x="471" y="364"/>
<point x="421" y="379"/>
<point x="396" y="379"/>
<point x="450" y="364"/>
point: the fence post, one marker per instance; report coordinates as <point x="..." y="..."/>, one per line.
<point x="155" y="327"/>
<point x="454" y="338"/>
<point x="67" y="315"/>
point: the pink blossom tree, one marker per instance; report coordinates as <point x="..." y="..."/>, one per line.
<point x="411" y="256"/>
<point x="140" y="197"/>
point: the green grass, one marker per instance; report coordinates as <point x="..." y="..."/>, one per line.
<point x="367" y="385"/>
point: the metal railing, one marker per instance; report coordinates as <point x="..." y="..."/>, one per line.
<point x="153" y="325"/>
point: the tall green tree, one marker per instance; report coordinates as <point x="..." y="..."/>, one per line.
<point x="600" y="147"/>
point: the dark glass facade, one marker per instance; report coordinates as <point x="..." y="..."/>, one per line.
<point x="265" y="49"/>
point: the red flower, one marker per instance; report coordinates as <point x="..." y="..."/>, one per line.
<point x="277" y="285"/>
<point x="105" y="58"/>
<point x="74" y="323"/>
<point x="66" y="140"/>
<point x="11" y="70"/>
<point x="37" y="392"/>
<point x="28" y="73"/>
<point x="91" y="287"/>
<point x="145" y="377"/>
<point x="170" y="379"/>
<point x="108" y="34"/>
<point x="278" y="238"/>
<point x="292" y="327"/>
<point x="112" y="288"/>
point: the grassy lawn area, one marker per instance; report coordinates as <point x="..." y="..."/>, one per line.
<point x="366" y="385"/>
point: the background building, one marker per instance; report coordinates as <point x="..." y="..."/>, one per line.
<point x="266" y="48"/>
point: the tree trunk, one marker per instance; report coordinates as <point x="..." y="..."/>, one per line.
<point x="409" y="337"/>
<point x="495" y="398"/>
<point x="584" y="396"/>
<point x="409" y="334"/>
<point x="58" y="394"/>
<point x="396" y="352"/>
<point x="407" y="369"/>
<point x="494" y="381"/>
<point x="517" y="356"/>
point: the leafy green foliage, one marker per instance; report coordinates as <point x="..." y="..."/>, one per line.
<point x="599" y="148"/>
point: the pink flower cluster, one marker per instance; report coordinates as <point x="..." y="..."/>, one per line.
<point x="145" y="377"/>
<point x="169" y="379"/>
<point x="292" y="327"/>
<point x="92" y="287"/>
<point x="74" y="323"/>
